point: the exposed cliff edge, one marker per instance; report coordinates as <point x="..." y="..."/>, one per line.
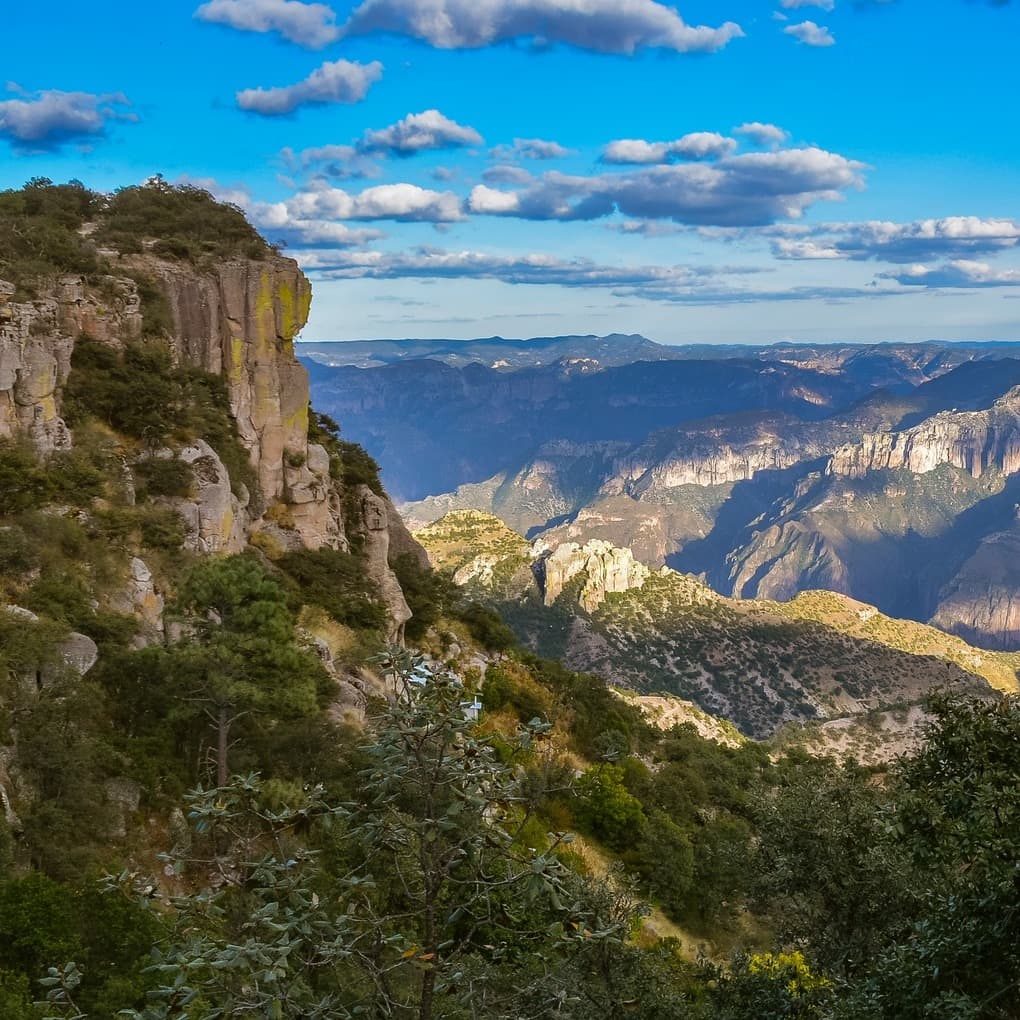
<point x="974" y="441"/>
<point x="235" y="319"/>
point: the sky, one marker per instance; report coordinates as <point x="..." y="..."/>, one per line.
<point x="706" y="171"/>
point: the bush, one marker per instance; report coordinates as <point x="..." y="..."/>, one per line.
<point x="487" y="628"/>
<point x="428" y="594"/>
<point x="606" y="809"/>
<point x="23" y="484"/>
<point x="511" y="684"/>
<point x="164" y="476"/>
<point x="348" y="462"/>
<point x="39" y="231"/>
<point x="336" y="582"/>
<point x="141" y="394"/>
<point x="186" y="222"/>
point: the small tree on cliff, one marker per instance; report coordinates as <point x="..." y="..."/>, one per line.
<point x="243" y="658"/>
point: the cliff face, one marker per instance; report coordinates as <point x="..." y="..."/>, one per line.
<point x="982" y="601"/>
<point x="974" y="441"/>
<point x="238" y="321"/>
<point x="36" y="343"/>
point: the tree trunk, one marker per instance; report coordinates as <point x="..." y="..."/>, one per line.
<point x="222" y="745"/>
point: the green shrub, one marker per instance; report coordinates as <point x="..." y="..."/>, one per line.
<point x="185" y="222"/>
<point x="23" y="484"/>
<point x="349" y="462"/>
<point x="140" y="393"/>
<point x="487" y="628"/>
<point x="428" y="594"/>
<point x="510" y="684"/>
<point x="336" y="582"/>
<point x="164" y="476"/>
<point x="39" y="232"/>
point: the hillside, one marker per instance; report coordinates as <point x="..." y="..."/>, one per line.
<point x="760" y="664"/>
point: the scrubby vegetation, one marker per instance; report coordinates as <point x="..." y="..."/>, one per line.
<point x="44" y="232"/>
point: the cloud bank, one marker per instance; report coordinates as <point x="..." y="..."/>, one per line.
<point x="750" y="189"/>
<point x="951" y="236"/>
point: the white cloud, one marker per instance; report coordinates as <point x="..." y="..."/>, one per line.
<point x="825" y="5"/>
<point x="43" y="121"/>
<point x="698" y="145"/>
<point x="530" y="148"/>
<point x="419" y="132"/>
<point x="810" y="34"/>
<point x="284" y="223"/>
<point x="958" y="274"/>
<point x="899" y="242"/>
<point x="341" y="81"/>
<point x="750" y="189"/>
<point x="606" y="26"/>
<point x="485" y="200"/>
<point x="763" y="134"/>
<point x="310" y="25"/>
<point x="405" y="202"/>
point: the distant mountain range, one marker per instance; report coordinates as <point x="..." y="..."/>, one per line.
<point x="889" y="473"/>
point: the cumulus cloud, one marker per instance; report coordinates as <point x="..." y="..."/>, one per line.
<point x="825" y="5"/>
<point x="342" y="81"/>
<point x="750" y="189"/>
<point x="530" y="148"/>
<point x="284" y="223"/>
<point x="407" y="203"/>
<point x="311" y="25"/>
<point x="810" y="34"/>
<point x="958" y="274"/>
<point x="419" y="132"/>
<point x="898" y="242"/>
<point x="698" y="145"/>
<point x="44" y="121"/>
<point x="763" y="134"/>
<point x="605" y="26"/>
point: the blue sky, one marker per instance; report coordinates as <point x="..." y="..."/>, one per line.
<point x="710" y="170"/>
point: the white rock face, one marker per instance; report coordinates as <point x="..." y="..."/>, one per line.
<point x="974" y="441"/>
<point x="608" y="570"/>
<point x="215" y="518"/>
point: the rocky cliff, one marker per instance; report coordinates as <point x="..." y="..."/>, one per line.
<point x="236" y="319"/>
<point x="974" y="441"/>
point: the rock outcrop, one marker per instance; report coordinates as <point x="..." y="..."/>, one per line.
<point x="974" y="441"/>
<point x="36" y="341"/>
<point x="606" y="569"/>
<point x="374" y="530"/>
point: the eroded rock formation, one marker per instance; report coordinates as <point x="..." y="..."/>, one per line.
<point x="605" y="568"/>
